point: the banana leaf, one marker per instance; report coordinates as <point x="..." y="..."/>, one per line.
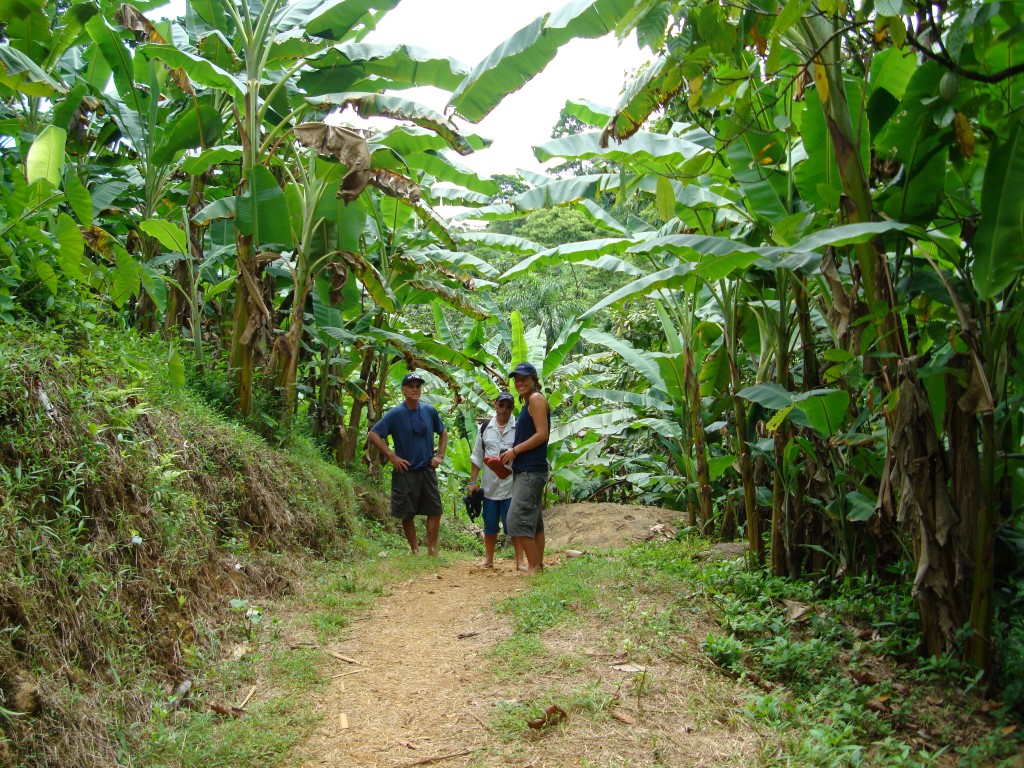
<point x="524" y="55"/>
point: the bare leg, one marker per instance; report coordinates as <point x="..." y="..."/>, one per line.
<point x="517" y="545"/>
<point x="409" y="527"/>
<point x="490" y="539"/>
<point x="539" y="539"/>
<point x="530" y="550"/>
<point x="433" y="529"/>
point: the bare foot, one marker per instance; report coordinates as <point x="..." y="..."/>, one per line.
<point x="432" y="552"/>
<point x="520" y="567"/>
<point x="485" y="564"/>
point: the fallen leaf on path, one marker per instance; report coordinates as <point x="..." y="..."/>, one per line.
<point x="1007" y="730"/>
<point x="343" y="721"/>
<point x="572" y="553"/>
<point x="879" y="704"/>
<point x="464" y="635"/>
<point x="632" y="669"/>
<point x="408" y="744"/>
<point x="221" y="709"/>
<point x="553" y="715"/>
<point x="864" y="677"/>
<point x="621" y="716"/>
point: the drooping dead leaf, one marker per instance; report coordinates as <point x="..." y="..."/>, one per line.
<point x="131" y="18"/>
<point x="347" y="146"/>
<point x="553" y="715"/>
<point x="395" y="185"/>
<point x="991" y="706"/>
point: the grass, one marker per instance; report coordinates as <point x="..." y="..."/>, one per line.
<point x="143" y="538"/>
<point x="145" y="541"/>
<point x="832" y="687"/>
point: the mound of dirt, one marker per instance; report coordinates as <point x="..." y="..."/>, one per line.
<point x="577" y="526"/>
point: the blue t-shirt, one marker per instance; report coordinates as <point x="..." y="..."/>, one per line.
<point x="412" y="432"/>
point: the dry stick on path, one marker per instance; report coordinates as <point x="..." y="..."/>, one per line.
<point x="475" y="717"/>
<point x="346" y="674"/>
<point x="247" y="697"/>
<point x="439" y="758"/>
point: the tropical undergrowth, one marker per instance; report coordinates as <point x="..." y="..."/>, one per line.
<point x="139" y="532"/>
<point x="831" y="669"/>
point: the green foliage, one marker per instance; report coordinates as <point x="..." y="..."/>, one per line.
<point x="725" y="651"/>
<point x="123" y="502"/>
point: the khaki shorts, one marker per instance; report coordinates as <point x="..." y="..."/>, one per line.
<point x="524" y="514"/>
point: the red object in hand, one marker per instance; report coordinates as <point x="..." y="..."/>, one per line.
<point x="494" y="464"/>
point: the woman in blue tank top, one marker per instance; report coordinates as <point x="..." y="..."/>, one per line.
<point x="529" y="458"/>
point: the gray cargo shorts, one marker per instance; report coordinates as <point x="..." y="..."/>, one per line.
<point x="524" y="514"/>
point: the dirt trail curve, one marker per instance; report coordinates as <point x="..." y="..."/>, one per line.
<point x="415" y="692"/>
<point x="422" y="690"/>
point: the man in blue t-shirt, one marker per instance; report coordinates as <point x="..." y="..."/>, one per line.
<point x="414" y="490"/>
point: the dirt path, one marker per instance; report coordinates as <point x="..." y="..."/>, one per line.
<point x="416" y="692"/>
<point x="425" y="692"/>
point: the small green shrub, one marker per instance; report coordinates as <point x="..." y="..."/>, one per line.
<point x="724" y="650"/>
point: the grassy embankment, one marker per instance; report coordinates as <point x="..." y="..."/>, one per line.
<point x="140" y="532"/>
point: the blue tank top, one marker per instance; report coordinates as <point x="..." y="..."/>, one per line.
<point x="535" y="459"/>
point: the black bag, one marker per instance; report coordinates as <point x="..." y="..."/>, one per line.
<point x="474" y="503"/>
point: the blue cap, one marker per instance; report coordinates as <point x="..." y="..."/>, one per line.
<point x="524" y="369"/>
<point x="505" y="396"/>
<point x="409" y="378"/>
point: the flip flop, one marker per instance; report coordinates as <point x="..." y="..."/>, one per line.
<point x="494" y="464"/>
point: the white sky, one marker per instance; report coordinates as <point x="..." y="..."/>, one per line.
<point x="467" y="30"/>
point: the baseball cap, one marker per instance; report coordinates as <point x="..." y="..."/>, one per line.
<point x="523" y="369"/>
<point x="409" y="378"/>
<point x="504" y="396"/>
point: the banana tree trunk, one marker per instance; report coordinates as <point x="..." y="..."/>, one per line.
<point x="366" y="378"/>
<point x="754" y="541"/>
<point x="249" y="317"/>
<point x="287" y="350"/>
<point x="692" y="387"/>
<point x="919" y="470"/>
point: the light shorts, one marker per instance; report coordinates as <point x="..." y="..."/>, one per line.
<point x="415" y="493"/>
<point x="524" y="515"/>
<point x="494" y="509"/>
